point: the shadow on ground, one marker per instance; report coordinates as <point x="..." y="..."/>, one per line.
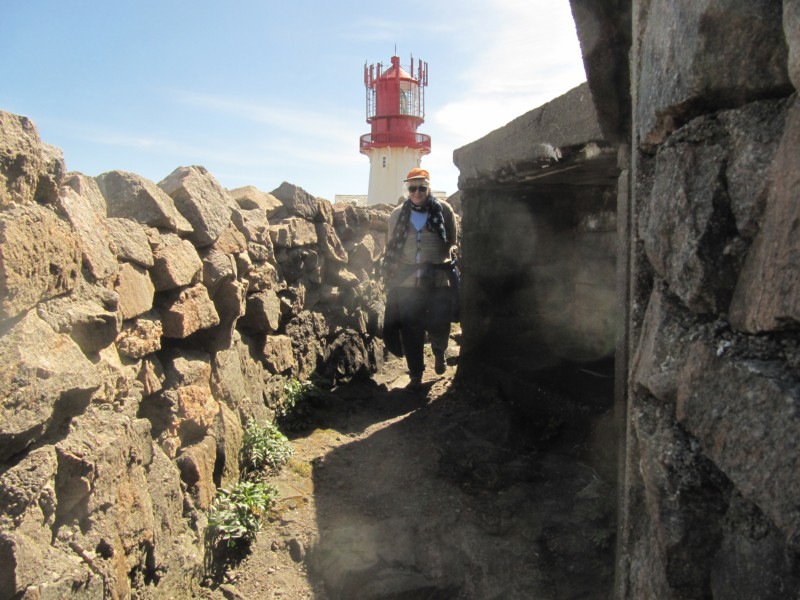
<point x="447" y="494"/>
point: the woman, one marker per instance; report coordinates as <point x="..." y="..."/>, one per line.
<point x="417" y="268"/>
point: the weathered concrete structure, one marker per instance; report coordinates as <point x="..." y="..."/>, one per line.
<point x="539" y="222"/>
<point x="697" y="102"/>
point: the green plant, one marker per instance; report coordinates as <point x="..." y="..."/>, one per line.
<point x="236" y="513"/>
<point x="298" y="391"/>
<point x="295" y="412"/>
<point x="264" y="447"/>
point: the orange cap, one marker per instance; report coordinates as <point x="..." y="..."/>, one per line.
<point x="417" y="173"/>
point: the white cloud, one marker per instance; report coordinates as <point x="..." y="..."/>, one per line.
<point x="528" y="56"/>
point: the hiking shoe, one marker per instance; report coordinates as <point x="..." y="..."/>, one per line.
<point x="414" y="385"/>
<point x="439" y="365"/>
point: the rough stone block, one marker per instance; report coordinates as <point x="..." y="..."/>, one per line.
<point x="253" y="224"/>
<point x="140" y="336"/>
<point x="293" y="232"/>
<point x="198" y="410"/>
<point x="684" y="497"/>
<point x="130" y="241"/>
<point x="40" y="258"/>
<point x="689" y="244"/>
<point x="29" y="170"/>
<point x="351" y="221"/>
<point x="325" y="214"/>
<point x="767" y="294"/>
<point x="263" y="312"/>
<point x="707" y="55"/>
<point x="661" y="352"/>
<point x="188" y="311"/>
<point x="89" y="315"/>
<point x="251" y="198"/>
<point x="340" y="276"/>
<point x="187" y="367"/>
<point x="231" y="241"/>
<point x="261" y="276"/>
<point x="134" y="197"/>
<point x="178" y="550"/>
<point x="746" y="418"/>
<point x="175" y="262"/>
<point x="229" y="436"/>
<point x="298" y="201"/>
<point x="151" y="376"/>
<point x="45" y="380"/>
<point x="218" y="268"/>
<point x="229" y="302"/>
<point x="330" y="244"/>
<point x="752" y="561"/>
<point x="753" y="134"/>
<point x="102" y="481"/>
<point x="135" y="290"/>
<point x="28" y="500"/>
<point x="278" y="354"/>
<point x="201" y="200"/>
<point x="99" y="253"/>
<point x="365" y="252"/>
<point x="196" y="464"/>
<point x="29" y="485"/>
<point x="86" y="187"/>
<point x="237" y="380"/>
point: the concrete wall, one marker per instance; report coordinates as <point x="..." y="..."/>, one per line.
<point x="539" y="247"/>
<point x="539" y="277"/>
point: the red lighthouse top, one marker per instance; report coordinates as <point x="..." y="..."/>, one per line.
<point x="396" y="106"/>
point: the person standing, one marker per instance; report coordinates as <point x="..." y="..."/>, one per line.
<point x="417" y="271"/>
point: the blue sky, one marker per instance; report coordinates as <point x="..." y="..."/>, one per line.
<point x="268" y="91"/>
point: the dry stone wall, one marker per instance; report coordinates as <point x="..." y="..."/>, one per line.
<point x="710" y="208"/>
<point x="142" y="327"/>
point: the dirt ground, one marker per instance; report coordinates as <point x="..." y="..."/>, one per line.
<point x="438" y="494"/>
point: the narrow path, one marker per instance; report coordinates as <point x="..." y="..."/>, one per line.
<point x="433" y="495"/>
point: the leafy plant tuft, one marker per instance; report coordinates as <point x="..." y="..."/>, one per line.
<point x="264" y="447"/>
<point x="295" y="411"/>
<point x="236" y="513"/>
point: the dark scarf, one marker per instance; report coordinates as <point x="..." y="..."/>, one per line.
<point x="394" y="247"/>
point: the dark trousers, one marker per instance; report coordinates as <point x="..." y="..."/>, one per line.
<point x="423" y="310"/>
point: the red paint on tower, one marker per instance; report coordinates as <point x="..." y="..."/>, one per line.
<point x="396" y="106"/>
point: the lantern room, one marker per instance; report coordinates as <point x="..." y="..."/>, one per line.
<point x="395" y="109"/>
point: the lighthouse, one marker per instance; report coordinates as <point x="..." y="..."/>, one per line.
<point x="395" y="108"/>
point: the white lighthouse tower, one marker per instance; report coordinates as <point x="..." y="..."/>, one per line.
<point x="395" y="108"/>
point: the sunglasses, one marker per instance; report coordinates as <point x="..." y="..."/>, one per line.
<point x="414" y="188"/>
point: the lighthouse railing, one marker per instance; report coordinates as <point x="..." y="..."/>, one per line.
<point x="419" y="141"/>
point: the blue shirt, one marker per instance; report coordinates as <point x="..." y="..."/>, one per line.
<point x="418" y="219"/>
